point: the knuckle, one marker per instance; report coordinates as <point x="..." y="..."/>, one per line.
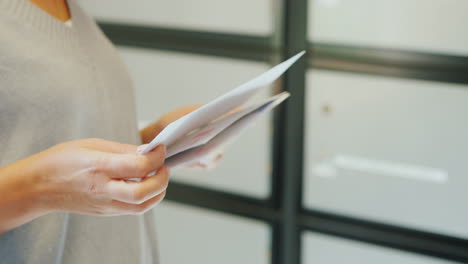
<point x="138" y="196"/>
<point x="98" y="164"/>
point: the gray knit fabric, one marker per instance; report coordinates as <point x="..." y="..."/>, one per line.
<point x="60" y="83"/>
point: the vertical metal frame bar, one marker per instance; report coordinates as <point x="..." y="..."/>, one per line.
<point x="283" y="210"/>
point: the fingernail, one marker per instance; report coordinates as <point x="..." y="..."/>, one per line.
<point x="141" y="148"/>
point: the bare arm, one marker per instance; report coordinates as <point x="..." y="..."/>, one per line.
<point x="19" y="189"/>
<point x="83" y="176"/>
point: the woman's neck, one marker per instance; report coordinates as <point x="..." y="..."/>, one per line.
<point x="56" y="8"/>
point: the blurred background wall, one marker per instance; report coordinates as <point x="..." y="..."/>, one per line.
<point x="366" y="162"/>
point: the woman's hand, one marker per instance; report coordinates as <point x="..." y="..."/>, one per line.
<point x="148" y="133"/>
<point x="151" y="131"/>
<point x="85" y="176"/>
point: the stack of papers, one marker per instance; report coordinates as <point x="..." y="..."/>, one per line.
<point x="215" y="125"/>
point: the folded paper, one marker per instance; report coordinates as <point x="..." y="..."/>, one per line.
<point x="216" y="124"/>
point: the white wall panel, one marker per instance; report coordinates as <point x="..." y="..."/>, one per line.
<point x="190" y="235"/>
<point x="322" y="249"/>
<point x="165" y="81"/>
<point x="386" y="149"/>
<point x="422" y="25"/>
<point x="241" y="16"/>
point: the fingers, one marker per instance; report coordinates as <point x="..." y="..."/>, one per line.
<point x="139" y="192"/>
<point x="108" y="146"/>
<point x="122" y="166"/>
<point x="206" y="163"/>
<point x="126" y="208"/>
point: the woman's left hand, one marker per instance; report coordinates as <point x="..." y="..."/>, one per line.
<point x="151" y="131"/>
<point x="148" y="133"/>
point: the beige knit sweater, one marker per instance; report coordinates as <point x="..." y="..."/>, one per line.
<point x="59" y="83"/>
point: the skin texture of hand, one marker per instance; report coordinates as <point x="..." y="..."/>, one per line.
<point x="85" y="176"/>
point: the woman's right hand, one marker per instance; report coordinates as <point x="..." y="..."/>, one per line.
<point x="87" y="176"/>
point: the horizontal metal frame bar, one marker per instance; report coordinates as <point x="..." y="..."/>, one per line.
<point x="406" y="239"/>
<point x="358" y="59"/>
<point x="256" y="48"/>
<point x="223" y="202"/>
<point x="390" y="62"/>
<point x="386" y="235"/>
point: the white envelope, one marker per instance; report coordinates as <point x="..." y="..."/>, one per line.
<point x="214" y="110"/>
<point x="244" y="119"/>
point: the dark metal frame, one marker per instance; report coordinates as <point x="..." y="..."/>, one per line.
<point x="283" y="211"/>
<point x="256" y="48"/>
<point x="390" y="62"/>
<point x="289" y="143"/>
